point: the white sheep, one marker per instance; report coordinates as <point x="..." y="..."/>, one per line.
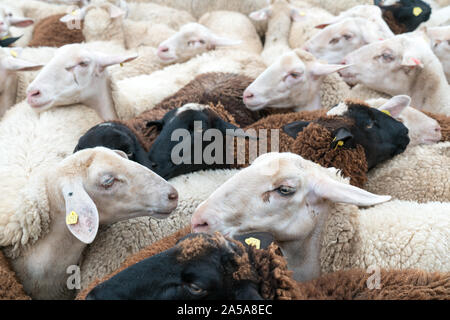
<point x="193" y="39"/>
<point x="404" y="64"/>
<point x="311" y="212"/>
<point x="280" y="16"/>
<point x="10" y="64"/>
<point x="296" y="79"/>
<point x="337" y="40"/>
<point x="76" y="75"/>
<point x="54" y="208"/>
<point x="336" y="7"/>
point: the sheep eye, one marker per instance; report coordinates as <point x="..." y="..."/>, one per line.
<point x="347" y="36"/>
<point x="108" y="182"/>
<point x="334" y="41"/>
<point x="202" y="41"/>
<point x="195" y="289"/>
<point x="387" y="57"/>
<point x="83" y="64"/>
<point x="286" y="190"/>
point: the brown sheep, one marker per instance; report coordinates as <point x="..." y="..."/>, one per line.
<point x="10" y="288"/>
<point x="50" y="32"/>
<point x="267" y="269"/>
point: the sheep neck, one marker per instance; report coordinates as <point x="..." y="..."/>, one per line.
<point x="42" y="267"/>
<point x="430" y="89"/>
<point x="303" y="255"/>
<point x="309" y="102"/>
<point x="101" y="100"/>
<point x="8" y="92"/>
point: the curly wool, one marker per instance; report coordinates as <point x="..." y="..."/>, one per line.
<point x="50" y="32"/>
<point x="313" y="143"/>
<point x="10" y="288"/>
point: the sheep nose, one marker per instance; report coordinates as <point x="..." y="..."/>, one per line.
<point x="173" y="195"/>
<point x="34" y="94"/>
<point x="437" y="129"/>
<point x="163" y="49"/>
<point x="248" y="95"/>
<point x="343" y="61"/>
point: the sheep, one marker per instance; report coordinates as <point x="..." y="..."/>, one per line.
<point x="311" y="212"/>
<point x="296" y="79"/>
<point x="116" y="242"/>
<point x="438" y="18"/>
<point x="405" y="15"/>
<point x="116" y="135"/>
<point x="195" y="38"/>
<point x="262" y="266"/>
<point x="10" y="64"/>
<point x="404" y="64"/>
<point x="336" y="7"/>
<point x="76" y="75"/>
<point x="38" y="10"/>
<point x="280" y="15"/>
<point x="134" y="95"/>
<point x="14" y="24"/>
<point x="440" y="44"/>
<point x="75" y="186"/>
<point x="10" y="288"/>
<point x="334" y="42"/>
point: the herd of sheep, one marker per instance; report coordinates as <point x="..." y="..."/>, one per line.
<point x="328" y="125"/>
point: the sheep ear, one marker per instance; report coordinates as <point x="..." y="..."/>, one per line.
<point x="260" y="15"/>
<point x="116" y="12"/>
<point x="14" y="64"/>
<point x="396" y="105"/>
<point x="341" y="135"/>
<point x="293" y="128"/>
<point x="410" y="61"/>
<point x="222" y="42"/>
<point x="105" y="61"/>
<point x="6" y="42"/>
<point x="322" y="69"/>
<point x="82" y="218"/>
<point x="21" y="22"/>
<point x="323" y="186"/>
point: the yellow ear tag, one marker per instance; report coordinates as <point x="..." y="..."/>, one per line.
<point x="387" y="112"/>
<point x="75" y="12"/>
<point x="339" y="144"/>
<point x="302" y="13"/>
<point x="13" y="53"/>
<point x="253" y="242"/>
<point x="121" y="64"/>
<point x="417" y="11"/>
<point x="6" y="37"/>
<point x="72" y="218"/>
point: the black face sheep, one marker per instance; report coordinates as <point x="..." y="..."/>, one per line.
<point x="191" y="123"/>
<point x="253" y="268"/>
<point x="116" y="136"/>
<point x="405" y="15"/>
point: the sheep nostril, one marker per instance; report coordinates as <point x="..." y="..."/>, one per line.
<point x="34" y="93"/>
<point x="163" y="49"/>
<point x="437" y="129"/>
<point x="343" y="61"/>
<point x="173" y="196"/>
<point x="248" y="95"/>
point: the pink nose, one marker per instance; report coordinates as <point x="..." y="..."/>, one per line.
<point x="248" y="95"/>
<point x="1" y="23"/>
<point x="34" y="94"/>
<point x="343" y="61"/>
<point x="163" y="49"/>
<point x="437" y="129"/>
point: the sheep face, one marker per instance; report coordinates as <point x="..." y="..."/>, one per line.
<point x="7" y="20"/>
<point x="74" y="75"/>
<point x="115" y="136"/>
<point x="288" y="82"/>
<point x="190" y="123"/>
<point x="200" y="266"/>
<point x="102" y="186"/>
<point x="389" y="66"/>
<point x="280" y="193"/>
<point x="334" y="42"/>
<point x="406" y="13"/>
<point x="192" y="39"/>
<point x="381" y="136"/>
